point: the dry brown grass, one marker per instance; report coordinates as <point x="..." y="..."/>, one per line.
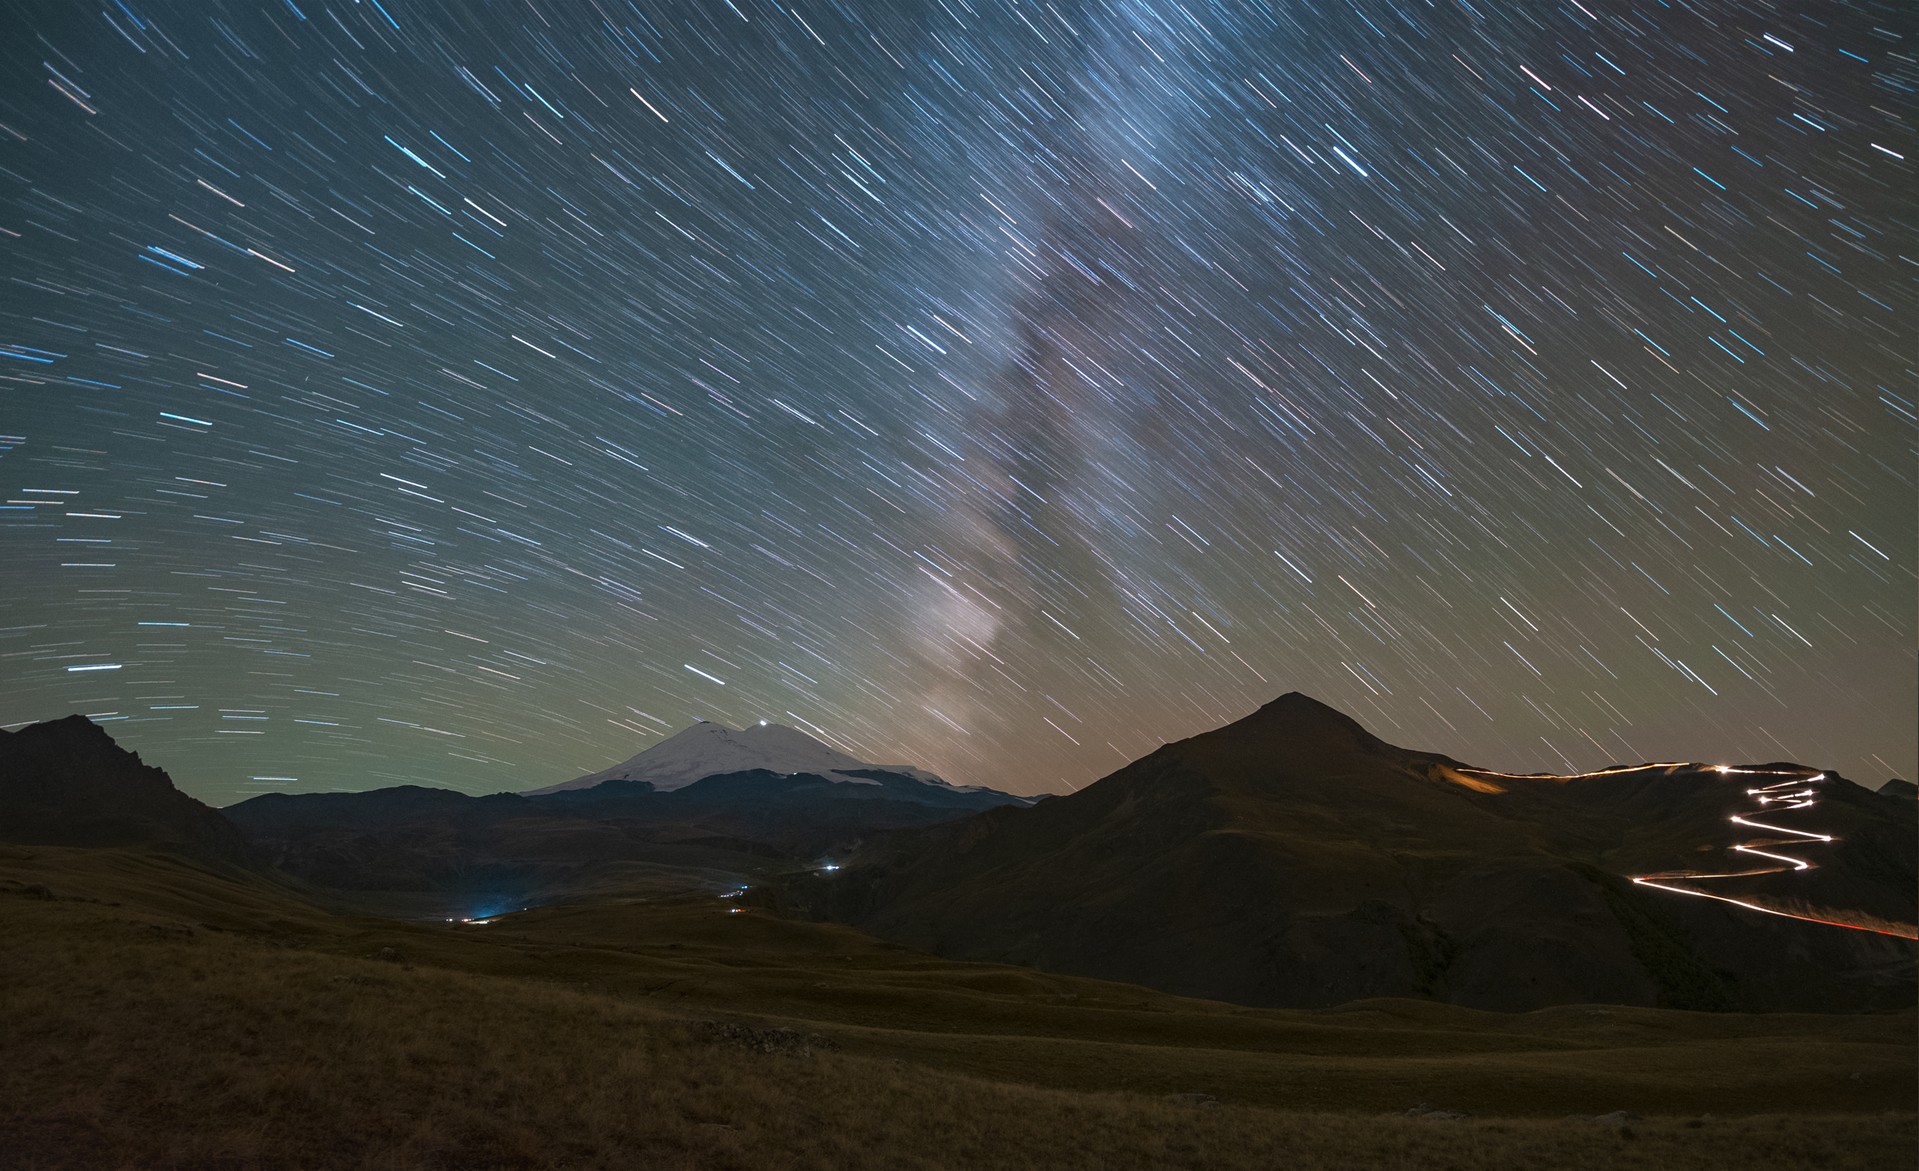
<point x="133" y="1036"/>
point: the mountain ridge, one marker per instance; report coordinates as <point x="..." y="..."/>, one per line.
<point x="1292" y="858"/>
<point x="408" y="838"/>
<point x="708" y="748"/>
<point x="66" y="782"/>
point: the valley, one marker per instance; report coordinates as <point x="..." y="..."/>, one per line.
<point x="226" y="1023"/>
<point x="1284" y="942"/>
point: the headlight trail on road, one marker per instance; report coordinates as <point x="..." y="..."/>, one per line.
<point x="1773" y="800"/>
<point x="1797" y="790"/>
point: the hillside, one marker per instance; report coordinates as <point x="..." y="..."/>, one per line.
<point x="1292" y="858"/>
<point x="66" y="783"/>
<point x="509" y="849"/>
<point x="163" y="1014"/>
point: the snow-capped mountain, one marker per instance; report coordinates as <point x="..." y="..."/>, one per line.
<point x="708" y="749"/>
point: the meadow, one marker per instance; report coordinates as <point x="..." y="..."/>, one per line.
<point x="158" y="1014"/>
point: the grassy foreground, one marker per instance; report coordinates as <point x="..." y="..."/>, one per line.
<point x="153" y="1015"/>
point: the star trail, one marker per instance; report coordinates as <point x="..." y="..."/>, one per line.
<point x="469" y="394"/>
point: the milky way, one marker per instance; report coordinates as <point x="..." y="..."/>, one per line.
<point x="469" y="394"/>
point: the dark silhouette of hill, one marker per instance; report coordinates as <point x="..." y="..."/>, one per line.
<point x="1289" y="859"/>
<point x="160" y="1016"/>
<point x="414" y="839"/>
<point x="66" y="783"/>
<point x="1294" y="859"/>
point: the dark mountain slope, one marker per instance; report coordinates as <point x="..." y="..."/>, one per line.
<point x="1292" y="858"/>
<point x="413" y="839"/>
<point x="66" y="783"/>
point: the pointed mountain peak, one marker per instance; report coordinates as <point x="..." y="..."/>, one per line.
<point x="74" y="729"/>
<point x="1297" y="714"/>
<point x="76" y="740"/>
<point x="1294" y="736"/>
<point x="66" y="782"/>
<point x="1299" y="701"/>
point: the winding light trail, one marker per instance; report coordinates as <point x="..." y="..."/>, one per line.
<point x="1798" y="791"/>
<point x="1669" y="766"/>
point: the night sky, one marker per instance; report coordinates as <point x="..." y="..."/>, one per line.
<point x="468" y="394"/>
